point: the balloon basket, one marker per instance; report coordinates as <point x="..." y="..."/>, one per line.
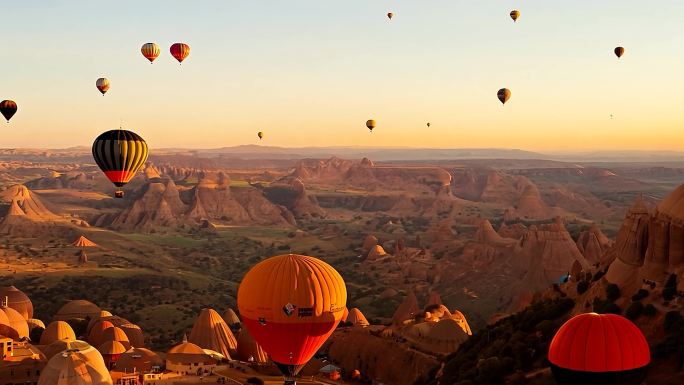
<point x="119" y="194"/>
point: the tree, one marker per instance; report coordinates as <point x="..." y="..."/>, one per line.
<point x="634" y="310"/>
<point x="612" y="292"/>
<point x="670" y="289"/>
<point x="582" y="287"/>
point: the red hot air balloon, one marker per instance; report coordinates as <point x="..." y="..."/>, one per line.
<point x="8" y="108"/>
<point x="605" y="349"/>
<point x="180" y="51"/>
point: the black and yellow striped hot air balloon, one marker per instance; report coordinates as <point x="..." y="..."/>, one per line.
<point x="120" y="154"/>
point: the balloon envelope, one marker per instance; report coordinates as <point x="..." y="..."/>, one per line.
<point x="8" y="108"/>
<point x="260" y="134"/>
<point x="370" y="124"/>
<point x="390" y="15"/>
<point x="150" y="51"/>
<point x="599" y="349"/>
<point x="503" y="94"/>
<point x="120" y="154"/>
<point x="619" y="51"/>
<point x="515" y="14"/>
<point x="291" y="304"/>
<point x="180" y="51"/>
<point x="102" y="84"/>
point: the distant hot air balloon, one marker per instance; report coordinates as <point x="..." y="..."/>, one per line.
<point x="390" y="15"/>
<point x="504" y="94"/>
<point x="102" y="84"/>
<point x="260" y="135"/>
<point x="180" y="51"/>
<point x="605" y="349"/>
<point x="291" y="304"/>
<point x="150" y="51"/>
<point x="370" y="124"/>
<point x="515" y="14"/>
<point x="8" y="108"/>
<point x="428" y="124"/>
<point x="619" y="51"/>
<point x="120" y="154"/>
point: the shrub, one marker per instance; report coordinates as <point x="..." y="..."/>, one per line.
<point x="671" y="318"/>
<point x="669" y="293"/>
<point x="634" y="310"/>
<point x="598" y="275"/>
<point x="650" y="310"/>
<point x="641" y="294"/>
<point x="602" y="307"/>
<point x="671" y="281"/>
<point x="612" y="292"/>
<point x="582" y="287"/>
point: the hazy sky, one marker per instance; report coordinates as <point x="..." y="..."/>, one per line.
<point x="311" y="72"/>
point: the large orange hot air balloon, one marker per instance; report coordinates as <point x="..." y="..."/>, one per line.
<point x="120" y="154"/>
<point x="150" y="51"/>
<point x="180" y="51"/>
<point x="599" y="349"/>
<point x="8" y="108"/>
<point x="291" y="304"/>
<point x="102" y="84"/>
<point x="503" y="94"/>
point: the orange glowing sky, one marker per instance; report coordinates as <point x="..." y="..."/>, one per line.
<point x="311" y="72"/>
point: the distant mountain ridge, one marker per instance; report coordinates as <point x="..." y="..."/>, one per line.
<point x="251" y="151"/>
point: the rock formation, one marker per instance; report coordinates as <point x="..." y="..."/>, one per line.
<point x="24" y="214"/>
<point x="158" y="205"/>
<point x="212" y="199"/>
<point x="291" y="193"/>
<point x="375" y="357"/>
<point x="513" y="231"/>
<point x="593" y="244"/>
<point x="407" y="310"/>
<point x="211" y="332"/>
<point x="654" y="252"/>
<point x="545" y="253"/>
<point x="486" y="234"/>
<point x="627" y="255"/>
<point x="356" y="318"/>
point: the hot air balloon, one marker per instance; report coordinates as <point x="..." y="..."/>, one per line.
<point x="390" y="15"/>
<point x="619" y="51"/>
<point x="602" y="349"/>
<point x="370" y="124"/>
<point x="504" y="94"/>
<point x="150" y="51"/>
<point x="515" y="14"/>
<point x="8" y="108"/>
<point x="180" y="51"/>
<point x="428" y="124"/>
<point x="120" y="154"/>
<point x="102" y="84"/>
<point x="291" y="304"/>
<point x="260" y="135"/>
